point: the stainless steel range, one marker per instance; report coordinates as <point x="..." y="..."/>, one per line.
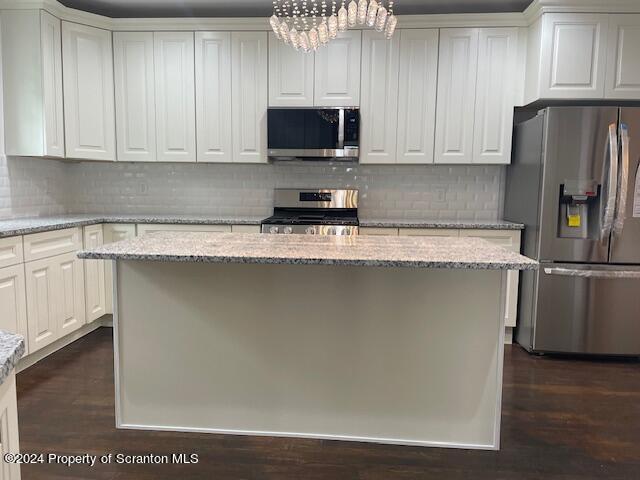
<point x="313" y="212"/>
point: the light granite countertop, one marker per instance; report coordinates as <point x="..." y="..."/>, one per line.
<point x="417" y="252"/>
<point x="456" y="224"/>
<point x="11" y="350"/>
<point x="24" y="226"/>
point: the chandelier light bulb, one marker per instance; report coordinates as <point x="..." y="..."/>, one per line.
<point x="313" y="38"/>
<point x="323" y="33"/>
<point x="372" y="13"/>
<point x="362" y="11"/>
<point x="352" y="13"/>
<point x="275" y="25"/>
<point x="333" y="26"/>
<point x="294" y="38"/>
<point x="391" y="26"/>
<point x="342" y="19"/>
<point x="304" y="41"/>
<point x="381" y="20"/>
<point x="284" y="31"/>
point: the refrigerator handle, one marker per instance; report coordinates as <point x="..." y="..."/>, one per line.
<point x="610" y="184"/>
<point x="623" y="182"/>
<point x="570" y="272"/>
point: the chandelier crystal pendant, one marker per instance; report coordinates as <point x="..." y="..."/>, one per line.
<point x="309" y="24"/>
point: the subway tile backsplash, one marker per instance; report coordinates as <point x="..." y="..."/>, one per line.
<point x="43" y="187"/>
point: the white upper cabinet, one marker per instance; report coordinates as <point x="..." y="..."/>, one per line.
<point x="566" y="57"/>
<point x="135" y="96"/>
<point x="32" y="83"/>
<point x="249" y="96"/>
<point x="457" y="72"/>
<point x="623" y="59"/>
<point x="337" y="71"/>
<point x="417" y="95"/>
<point x="290" y="75"/>
<point x="379" y="106"/>
<point x="213" y="96"/>
<point x="89" y="117"/>
<point x="495" y="95"/>
<point x="175" y="96"/>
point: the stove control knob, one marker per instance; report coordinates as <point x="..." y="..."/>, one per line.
<point x="273" y="229"/>
<point x="310" y="230"/>
<point x="288" y="230"/>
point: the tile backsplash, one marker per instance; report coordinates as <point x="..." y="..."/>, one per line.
<point x="397" y="192"/>
<point x="30" y="186"/>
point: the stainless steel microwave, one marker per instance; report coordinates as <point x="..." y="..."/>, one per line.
<point x="313" y="133"/>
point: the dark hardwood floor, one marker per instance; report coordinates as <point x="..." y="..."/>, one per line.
<point x="562" y="419"/>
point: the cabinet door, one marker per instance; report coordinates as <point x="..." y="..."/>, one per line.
<point x="42" y="316"/>
<point x="94" y="276"/>
<point x="135" y="96"/>
<point x="495" y="95"/>
<point x="573" y="57"/>
<point x="337" y="71"/>
<point x="623" y="60"/>
<point x="175" y="96"/>
<point x="69" y="293"/>
<point x="51" y="42"/>
<point x="290" y="75"/>
<point x="13" y="307"/>
<point x="9" y="427"/>
<point x="457" y="71"/>
<point x="417" y="95"/>
<point x="379" y="106"/>
<point x="89" y="118"/>
<point x="249" y="96"/>
<point x="213" y="96"/>
<point x="114" y="233"/>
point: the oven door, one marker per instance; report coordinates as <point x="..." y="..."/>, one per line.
<point x="309" y="133"/>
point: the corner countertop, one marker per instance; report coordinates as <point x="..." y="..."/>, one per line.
<point x="11" y="350"/>
<point x="365" y="250"/>
<point x="24" y="226"/>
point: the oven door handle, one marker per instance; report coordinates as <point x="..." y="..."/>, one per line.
<point x="606" y="274"/>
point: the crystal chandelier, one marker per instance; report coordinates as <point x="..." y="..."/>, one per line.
<point x="308" y="24"/>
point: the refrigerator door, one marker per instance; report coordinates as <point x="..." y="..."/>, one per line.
<point x="591" y="309"/>
<point x="580" y="151"/>
<point x="625" y="240"/>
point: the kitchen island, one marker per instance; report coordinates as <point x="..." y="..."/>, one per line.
<point x="394" y="340"/>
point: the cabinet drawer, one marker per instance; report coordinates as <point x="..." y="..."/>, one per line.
<point x="152" y="228"/>
<point x="48" y="244"/>
<point x="428" y="232"/>
<point x="11" y="251"/>
<point x="507" y="238"/>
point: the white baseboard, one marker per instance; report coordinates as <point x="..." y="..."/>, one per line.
<point x="35" y="357"/>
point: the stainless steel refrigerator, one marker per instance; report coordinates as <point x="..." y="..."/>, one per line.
<point x="574" y="183"/>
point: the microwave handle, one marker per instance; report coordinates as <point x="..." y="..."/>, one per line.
<point x="341" y="128"/>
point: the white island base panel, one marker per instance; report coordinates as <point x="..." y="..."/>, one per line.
<point x="389" y="355"/>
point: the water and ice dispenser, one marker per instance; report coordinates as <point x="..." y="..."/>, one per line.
<point x="579" y="209"/>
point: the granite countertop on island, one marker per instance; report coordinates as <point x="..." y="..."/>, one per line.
<point x="417" y="252"/>
<point x="11" y="350"/>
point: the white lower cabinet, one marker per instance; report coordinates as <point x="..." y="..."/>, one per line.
<point x="94" y="276"/>
<point x="55" y="298"/>
<point x="13" y="310"/>
<point x="114" y="233"/>
<point x="509" y="239"/>
<point x="9" y="441"/>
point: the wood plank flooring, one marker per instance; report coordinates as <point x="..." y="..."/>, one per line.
<point x="562" y="419"/>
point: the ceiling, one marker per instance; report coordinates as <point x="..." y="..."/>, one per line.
<point x="257" y="8"/>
